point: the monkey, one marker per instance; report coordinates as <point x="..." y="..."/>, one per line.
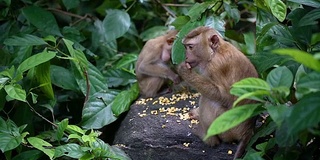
<point x="211" y="66"/>
<point x="153" y="65"/>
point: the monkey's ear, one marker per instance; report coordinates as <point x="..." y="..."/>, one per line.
<point x="215" y="41"/>
<point x="170" y="40"/>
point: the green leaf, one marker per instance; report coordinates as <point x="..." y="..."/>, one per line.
<point x="15" y="91"/>
<point x="70" y="4"/>
<point x="116" y="24"/>
<point x="83" y="70"/>
<point x="153" y="32"/>
<point x="305" y="114"/>
<point x="312" y="3"/>
<point x="308" y="83"/>
<point x="126" y="60"/>
<point x="232" y="118"/>
<point x="28" y="155"/>
<point x="68" y="81"/>
<point x="97" y="110"/>
<point x="24" y="40"/>
<point x="116" y="77"/>
<point x="255" y="95"/>
<point x="43" y="77"/>
<point x="278" y="9"/>
<point x="265" y="61"/>
<point x="301" y="57"/>
<point x="62" y="126"/>
<point x="280" y="76"/>
<point x="74" y="128"/>
<point x="42" y="19"/>
<point x="9" y="142"/>
<point x="310" y="18"/>
<point x="124" y="99"/>
<point x="278" y="113"/>
<point x="180" y="21"/>
<point x="197" y="9"/>
<point x="40" y="144"/>
<point x="71" y="150"/>
<point x="35" y="60"/>
<point x="104" y="150"/>
<point x="250" y="84"/>
<point x="233" y="13"/>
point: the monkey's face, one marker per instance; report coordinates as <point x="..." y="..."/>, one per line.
<point x="191" y="57"/>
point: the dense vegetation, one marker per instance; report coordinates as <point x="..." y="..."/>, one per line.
<point x="67" y="69"/>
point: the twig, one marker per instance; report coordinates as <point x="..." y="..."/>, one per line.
<point x="176" y="5"/>
<point x="66" y="13"/>
<point x="167" y="9"/>
<point x="85" y="72"/>
<point x="33" y="110"/>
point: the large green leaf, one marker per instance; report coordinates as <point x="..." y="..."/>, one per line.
<point x="264" y="61"/>
<point x="71" y="150"/>
<point x="301" y="57"/>
<point x="124" y="99"/>
<point x="41" y="145"/>
<point x="43" y="77"/>
<point x="15" y="91"/>
<point x="42" y="19"/>
<point x="278" y="113"/>
<point x="308" y="83"/>
<point x="70" y="4"/>
<point x="278" y="9"/>
<point x="232" y="118"/>
<point x="28" y="155"/>
<point x="312" y="3"/>
<point x="180" y="21"/>
<point x="116" y="24"/>
<point x="35" y="60"/>
<point x="104" y="150"/>
<point x="305" y="114"/>
<point x="153" y="32"/>
<point x="24" y="40"/>
<point x="280" y="76"/>
<point x="10" y="134"/>
<point x="250" y="84"/>
<point x="62" y="126"/>
<point x="197" y="9"/>
<point x="85" y="72"/>
<point x="97" y="111"/>
<point x="9" y="142"/>
<point x="67" y="82"/>
<point x="310" y="18"/>
<point x="117" y="77"/>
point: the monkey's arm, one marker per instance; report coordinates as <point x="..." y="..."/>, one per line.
<point x="202" y="84"/>
<point x="158" y="69"/>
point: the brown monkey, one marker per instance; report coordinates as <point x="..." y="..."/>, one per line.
<point x="212" y="65"/>
<point x="153" y="65"/>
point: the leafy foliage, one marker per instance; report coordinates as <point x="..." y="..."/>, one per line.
<point x="287" y="92"/>
<point x="76" y="59"/>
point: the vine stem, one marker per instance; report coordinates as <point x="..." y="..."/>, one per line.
<point x="33" y="110"/>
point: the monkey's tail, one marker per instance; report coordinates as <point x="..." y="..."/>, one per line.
<point x="242" y="146"/>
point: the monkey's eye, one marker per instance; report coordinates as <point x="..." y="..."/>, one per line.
<point x="189" y="47"/>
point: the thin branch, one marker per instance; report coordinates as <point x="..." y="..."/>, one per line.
<point x="33" y="110"/>
<point x="167" y="9"/>
<point x="66" y="13"/>
<point x="85" y="72"/>
<point x="177" y="5"/>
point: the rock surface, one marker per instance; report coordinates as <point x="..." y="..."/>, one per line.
<point x="159" y="129"/>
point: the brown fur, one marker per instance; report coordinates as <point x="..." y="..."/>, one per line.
<point x="212" y="65"/>
<point x="153" y="65"/>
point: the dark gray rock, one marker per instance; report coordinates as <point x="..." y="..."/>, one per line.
<point x="151" y="131"/>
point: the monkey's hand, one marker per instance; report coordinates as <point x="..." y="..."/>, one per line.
<point x="176" y="79"/>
